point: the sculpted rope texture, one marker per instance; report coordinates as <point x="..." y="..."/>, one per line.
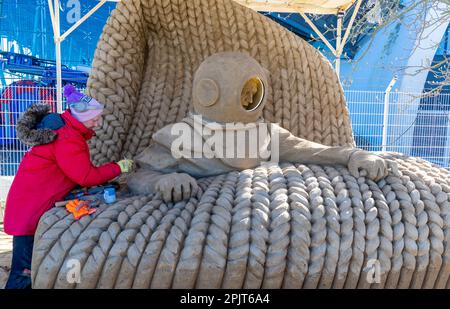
<point x="132" y="242"/>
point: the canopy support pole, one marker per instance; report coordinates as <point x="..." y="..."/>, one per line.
<point x="317" y="31"/>
<point x="340" y="42"/>
<point x="337" y="65"/>
<point x="350" y="25"/>
<point x="82" y="19"/>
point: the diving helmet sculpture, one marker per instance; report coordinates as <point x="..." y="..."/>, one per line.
<point x="226" y="133"/>
<point x="230" y="88"/>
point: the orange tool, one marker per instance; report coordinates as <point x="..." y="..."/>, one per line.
<point x="79" y="208"/>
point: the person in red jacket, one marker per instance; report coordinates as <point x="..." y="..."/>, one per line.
<point x="58" y="161"/>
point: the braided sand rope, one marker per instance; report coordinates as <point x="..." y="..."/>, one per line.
<point x="288" y="226"/>
<point x="149" y="50"/>
<point x="239" y="245"/>
<point x="259" y="234"/>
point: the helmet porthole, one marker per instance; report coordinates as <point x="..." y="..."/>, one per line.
<point x="252" y="93"/>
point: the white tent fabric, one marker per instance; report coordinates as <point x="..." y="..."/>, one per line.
<point x="305" y="6"/>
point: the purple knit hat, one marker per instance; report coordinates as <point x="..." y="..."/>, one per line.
<point x="94" y="108"/>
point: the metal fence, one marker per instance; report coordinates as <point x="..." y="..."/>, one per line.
<point x="15" y="99"/>
<point x="415" y="125"/>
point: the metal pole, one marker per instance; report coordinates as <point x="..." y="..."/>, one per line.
<point x="340" y="16"/>
<point x="82" y="19"/>
<point x="349" y="27"/>
<point x="58" y="59"/>
<point x="52" y="15"/>
<point x="386" y="112"/>
<point x="317" y="31"/>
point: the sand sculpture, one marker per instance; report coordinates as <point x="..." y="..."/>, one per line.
<point x="228" y="98"/>
<point x="286" y="225"/>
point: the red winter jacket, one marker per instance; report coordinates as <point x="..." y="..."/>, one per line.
<point x="47" y="173"/>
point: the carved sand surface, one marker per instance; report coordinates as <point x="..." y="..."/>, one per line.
<point x="5" y="255"/>
<point x="274" y="226"/>
<point x="287" y="226"/>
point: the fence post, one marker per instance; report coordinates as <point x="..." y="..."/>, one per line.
<point x="386" y="112"/>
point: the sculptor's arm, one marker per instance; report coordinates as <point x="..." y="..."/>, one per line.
<point x="298" y="150"/>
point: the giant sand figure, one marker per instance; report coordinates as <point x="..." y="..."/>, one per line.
<point x="229" y="90"/>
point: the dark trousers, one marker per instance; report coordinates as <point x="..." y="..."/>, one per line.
<point x="20" y="275"/>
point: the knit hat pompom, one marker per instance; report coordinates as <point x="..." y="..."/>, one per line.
<point x="68" y="90"/>
<point x="72" y="94"/>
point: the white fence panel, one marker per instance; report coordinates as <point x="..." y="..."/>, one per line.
<point x="416" y="126"/>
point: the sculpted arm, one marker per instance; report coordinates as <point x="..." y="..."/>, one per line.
<point x="298" y="150"/>
<point x="157" y="173"/>
<point x="173" y="187"/>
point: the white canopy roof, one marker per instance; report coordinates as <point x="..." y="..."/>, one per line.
<point x="305" y="6"/>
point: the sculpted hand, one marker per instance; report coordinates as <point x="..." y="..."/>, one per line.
<point x="125" y="165"/>
<point x="372" y="165"/>
<point x="176" y="187"/>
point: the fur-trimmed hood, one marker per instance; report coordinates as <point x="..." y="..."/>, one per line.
<point x="26" y="126"/>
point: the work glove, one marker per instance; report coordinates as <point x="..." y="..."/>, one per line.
<point x="79" y="208"/>
<point x="125" y="165"/>
<point x="176" y="187"/>
<point x="373" y="166"/>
